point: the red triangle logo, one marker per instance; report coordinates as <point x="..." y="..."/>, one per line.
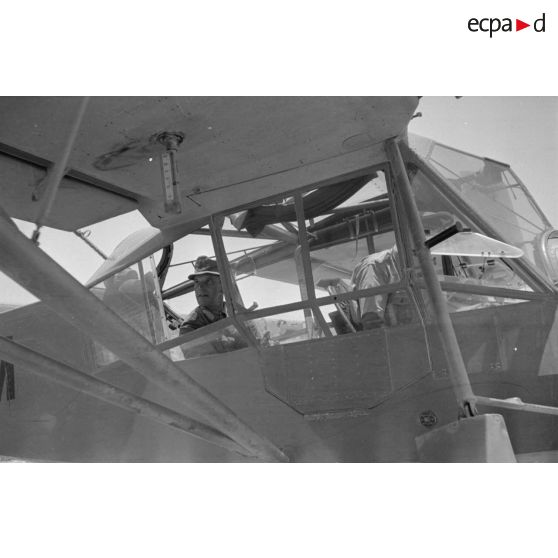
<point x="519" y="25"/>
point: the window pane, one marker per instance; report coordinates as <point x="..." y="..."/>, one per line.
<point x="263" y="250"/>
<point x="478" y="271"/>
<point x="288" y="327"/>
<point x="133" y="294"/>
<point x="493" y="191"/>
<point x="463" y="302"/>
<point x="223" y="341"/>
<point x="438" y="214"/>
<point x="185" y="252"/>
<point x="353" y="249"/>
<point x="340" y="220"/>
<point x="395" y="308"/>
<point x="266" y="272"/>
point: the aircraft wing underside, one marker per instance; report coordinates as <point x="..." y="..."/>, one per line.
<point x="234" y="150"/>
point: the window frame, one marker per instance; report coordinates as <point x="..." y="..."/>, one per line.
<point x="409" y="283"/>
<point x="520" y="266"/>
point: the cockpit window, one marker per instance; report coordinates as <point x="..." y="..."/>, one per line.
<point x="265" y="267"/>
<point x="486" y="272"/>
<point x="264" y="251"/>
<point x="180" y="297"/>
<point x="225" y="340"/>
<point x="461" y="270"/>
<point x="134" y="295"/>
<point x="349" y="234"/>
<point x="493" y="191"/>
<point x="354" y="249"/>
<point x="288" y="327"/>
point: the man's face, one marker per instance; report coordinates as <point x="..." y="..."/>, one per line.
<point x="208" y="290"/>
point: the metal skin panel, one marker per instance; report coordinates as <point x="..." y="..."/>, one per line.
<point x="326" y="375"/>
<point x="49" y="421"/>
<point x="522" y="332"/>
<point x="509" y="338"/>
<point x="235" y="149"/>
<point x="477" y="340"/>
<point x="36" y="326"/>
<point x="408" y="355"/>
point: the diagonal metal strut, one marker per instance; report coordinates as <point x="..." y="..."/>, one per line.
<point x="34" y="270"/>
<point x="457" y="371"/>
<point x="47" y="192"/>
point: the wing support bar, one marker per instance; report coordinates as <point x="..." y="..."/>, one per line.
<point x="515" y="404"/>
<point x="34" y="270"/>
<point x="457" y="371"/>
<point x="56" y="173"/>
<point x="41" y="365"/>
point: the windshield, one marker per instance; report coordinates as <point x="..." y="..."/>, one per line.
<point x="134" y="295"/>
<point x="492" y="189"/>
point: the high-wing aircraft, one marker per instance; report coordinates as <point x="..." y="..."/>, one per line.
<point x="295" y="199"/>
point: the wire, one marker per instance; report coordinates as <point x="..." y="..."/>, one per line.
<point x="84" y="236"/>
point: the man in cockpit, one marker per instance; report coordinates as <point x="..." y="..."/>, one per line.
<point x="383" y="268"/>
<point x="211" y="309"/>
<point x="209" y="295"/>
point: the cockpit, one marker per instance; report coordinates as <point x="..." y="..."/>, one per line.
<point x="336" y="261"/>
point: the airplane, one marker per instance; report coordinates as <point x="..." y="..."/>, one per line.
<point x="291" y="195"/>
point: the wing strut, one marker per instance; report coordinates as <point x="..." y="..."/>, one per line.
<point x="34" y="270"/>
<point x="48" y="189"/>
<point x="61" y="373"/>
<point x="457" y="371"/>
